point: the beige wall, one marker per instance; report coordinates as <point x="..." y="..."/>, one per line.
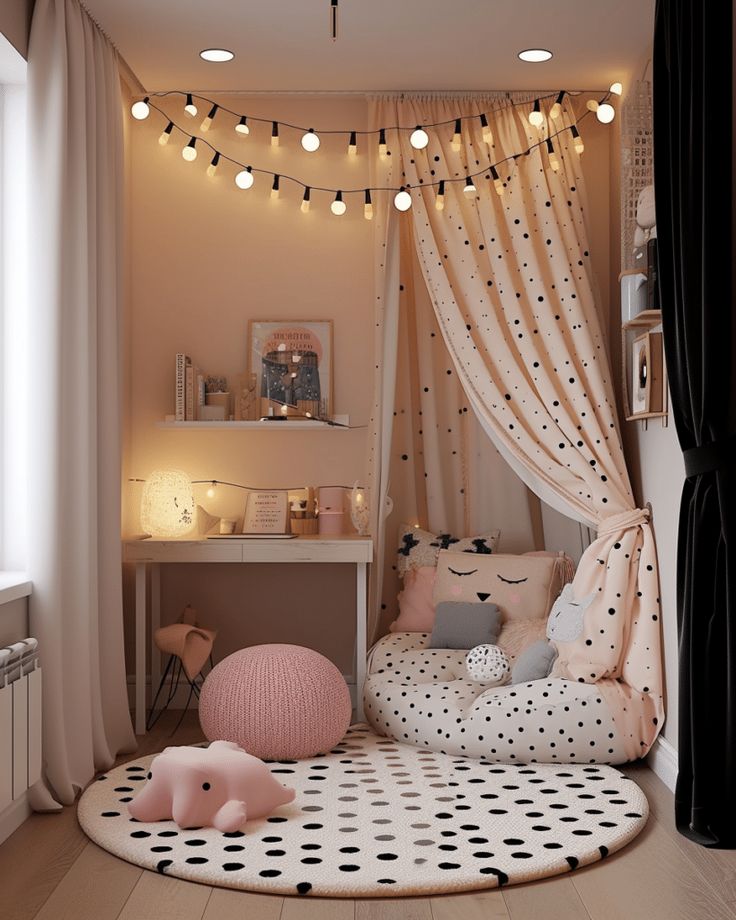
<point x="204" y="259"/>
<point x="15" y="23"/>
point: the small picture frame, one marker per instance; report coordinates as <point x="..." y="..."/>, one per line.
<point x="647" y="376"/>
<point x="292" y="365"/>
<point x="266" y="512"/>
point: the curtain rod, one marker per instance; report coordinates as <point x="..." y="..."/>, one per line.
<point x="377" y="92"/>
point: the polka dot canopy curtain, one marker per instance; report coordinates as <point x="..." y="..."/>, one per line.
<point x="511" y="283"/>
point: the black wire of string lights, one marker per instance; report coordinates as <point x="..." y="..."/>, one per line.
<point x="311" y="136"/>
<point x="245" y="177"/>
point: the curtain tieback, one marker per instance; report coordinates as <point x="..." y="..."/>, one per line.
<point x="710" y="458"/>
<point x="623" y="521"/>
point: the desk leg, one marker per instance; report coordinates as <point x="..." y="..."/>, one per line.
<point x="140" y="648"/>
<point x="155" y="623"/>
<point x="361" y="627"/>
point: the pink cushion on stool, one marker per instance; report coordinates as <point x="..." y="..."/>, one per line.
<point x="278" y="702"/>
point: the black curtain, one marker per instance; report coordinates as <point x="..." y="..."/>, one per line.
<point x="693" y="99"/>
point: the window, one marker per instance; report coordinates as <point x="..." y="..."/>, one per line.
<point x="16" y="378"/>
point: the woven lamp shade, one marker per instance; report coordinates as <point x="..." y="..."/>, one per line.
<point x="278" y="702"/>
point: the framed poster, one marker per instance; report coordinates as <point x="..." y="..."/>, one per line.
<point x="292" y="364"/>
<point x="266" y="512"/>
<point x="647" y="391"/>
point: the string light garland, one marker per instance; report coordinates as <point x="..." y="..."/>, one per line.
<point x="242" y="126"/>
<point x="245" y="178"/>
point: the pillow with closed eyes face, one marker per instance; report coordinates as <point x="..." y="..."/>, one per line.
<point x="523" y="587"/>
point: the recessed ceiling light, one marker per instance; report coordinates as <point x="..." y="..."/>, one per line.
<point x="216" y="55"/>
<point x="535" y="55"/>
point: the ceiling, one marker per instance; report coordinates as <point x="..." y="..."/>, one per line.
<point x="284" y="45"/>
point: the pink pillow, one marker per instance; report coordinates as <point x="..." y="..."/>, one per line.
<point x="416" y="607"/>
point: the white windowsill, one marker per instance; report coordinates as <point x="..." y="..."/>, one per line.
<point x="14" y="585"/>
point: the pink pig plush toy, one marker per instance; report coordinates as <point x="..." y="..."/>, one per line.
<point x="218" y="786"/>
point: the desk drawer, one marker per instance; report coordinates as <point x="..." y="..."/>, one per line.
<point x="177" y="551"/>
<point x="305" y="551"/>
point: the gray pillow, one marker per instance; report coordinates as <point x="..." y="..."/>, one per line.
<point x="460" y="624"/>
<point x="534" y="662"/>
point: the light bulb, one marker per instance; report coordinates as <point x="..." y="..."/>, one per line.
<point x="402" y="200"/>
<point x="486" y="130"/>
<point x="439" y="201"/>
<point x="166" y="134"/>
<point x="190" y="108"/>
<point x="457" y="137"/>
<point x="382" y="146"/>
<point x="368" y="205"/>
<point x="556" y="109"/>
<point x="553" y="161"/>
<point x="497" y="181"/>
<point x="592" y="105"/>
<point x="140" y="110"/>
<point x="274" y="134"/>
<point x="469" y="189"/>
<point x="535" y="55"/>
<point x="190" y="151"/>
<point x="536" y="119"/>
<point x="605" y="113"/>
<point x="211" y="489"/>
<point x="212" y="168"/>
<point x="353" y="144"/>
<point x="310" y="141"/>
<point x="207" y="123"/>
<point x="616" y="88"/>
<point x="577" y="140"/>
<point x="242" y="126"/>
<point x="244" y="179"/>
<point x="419" y="138"/>
<point x="338" y="206"/>
<point x="216" y="55"/>
<point x="305" y="200"/>
<point x="275" y="187"/>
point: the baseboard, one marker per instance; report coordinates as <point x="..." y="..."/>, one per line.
<point x="180" y="697"/>
<point x="13" y="816"/>
<point x="662" y="761"/>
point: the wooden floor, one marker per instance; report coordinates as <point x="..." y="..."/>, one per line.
<point x="49" y="870"/>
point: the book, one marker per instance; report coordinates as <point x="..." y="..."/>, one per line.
<point x="180" y="392"/>
<point x="189" y="403"/>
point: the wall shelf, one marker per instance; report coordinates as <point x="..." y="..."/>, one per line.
<point x="647" y="319"/>
<point x="290" y="425"/>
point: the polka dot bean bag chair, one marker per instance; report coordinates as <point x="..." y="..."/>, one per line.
<point x="423" y="696"/>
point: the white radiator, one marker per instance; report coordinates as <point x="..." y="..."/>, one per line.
<point x="20" y="720"/>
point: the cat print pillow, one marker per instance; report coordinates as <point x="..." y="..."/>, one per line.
<point x="523" y="587"/>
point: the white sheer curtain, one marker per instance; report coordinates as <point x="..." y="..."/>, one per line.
<point x="75" y="163"/>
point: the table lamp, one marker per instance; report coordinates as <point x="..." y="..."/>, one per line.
<point x="167" y="504"/>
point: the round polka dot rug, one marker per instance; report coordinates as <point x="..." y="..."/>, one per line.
<point x="376" y="818"/>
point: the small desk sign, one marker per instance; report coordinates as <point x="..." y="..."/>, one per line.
<point x="266" y="512"/>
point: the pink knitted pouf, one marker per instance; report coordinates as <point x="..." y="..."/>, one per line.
<point x="278" y="702"/>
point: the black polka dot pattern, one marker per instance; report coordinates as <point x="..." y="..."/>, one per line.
<point x="392" y="818"/>
<point x="422" y="696"/>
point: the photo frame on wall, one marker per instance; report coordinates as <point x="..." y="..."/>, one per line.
<point x="647" y="376"/>
<point x="292" y="365"/>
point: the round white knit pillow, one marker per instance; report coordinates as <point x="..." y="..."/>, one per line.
<point x="487" y="664"/>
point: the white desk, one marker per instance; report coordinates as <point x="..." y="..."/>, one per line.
<point x="150" y="552"/>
